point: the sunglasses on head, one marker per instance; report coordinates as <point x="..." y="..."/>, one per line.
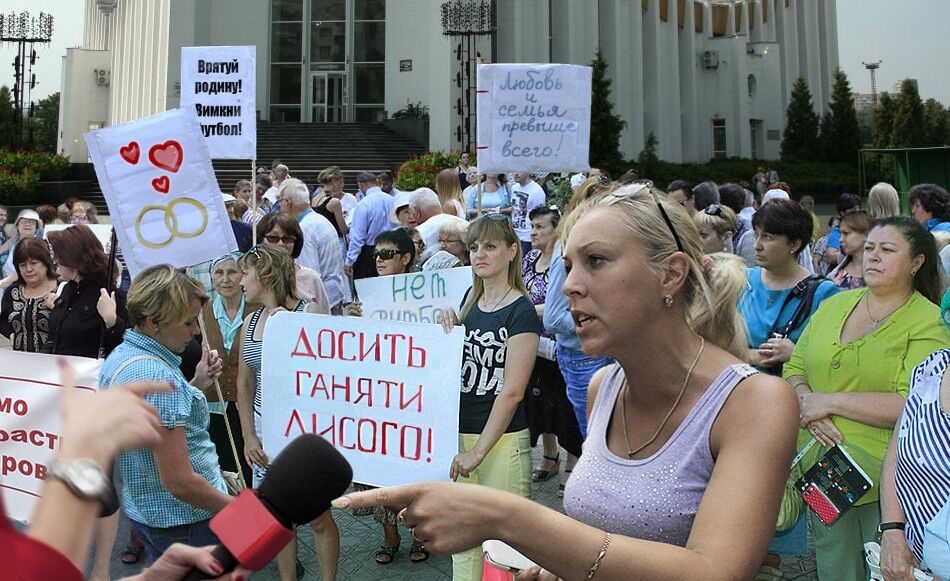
<point x="254" y="251"/>
<point x="714" y="210"/>
<point x="386" y="253"/>
<point x="648" y="186"/>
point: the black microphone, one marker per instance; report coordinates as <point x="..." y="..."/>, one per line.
<point x="298" y="487"/>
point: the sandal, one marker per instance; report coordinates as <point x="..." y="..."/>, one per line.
<point x="385" y="555"/>
<point x="540" y="475"/>
<point x="132" y="555"/>
<point x="560" y="486"/>
<point x="418" y="553"/>
<point x="767" y="573"/>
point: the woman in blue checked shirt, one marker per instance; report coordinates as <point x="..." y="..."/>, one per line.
<point x="172" y="489"/>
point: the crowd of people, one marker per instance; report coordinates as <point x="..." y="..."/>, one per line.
<point x="671" y="351"/>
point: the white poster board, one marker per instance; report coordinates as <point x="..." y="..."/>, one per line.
<point x="30" y="422"/>
<point x="533" y="118"/>
<point x="218" y="82"/>
<point x="161" y="190"/>
<point x="103" y="232"/>
<point x="385" y="394"/>
<point x="417" y="297"/>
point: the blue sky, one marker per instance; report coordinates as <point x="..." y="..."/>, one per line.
<point x="910" y="36"/>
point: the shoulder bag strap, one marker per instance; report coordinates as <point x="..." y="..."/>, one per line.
<point x="804" y="289"/>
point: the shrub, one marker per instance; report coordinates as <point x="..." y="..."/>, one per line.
<point x="824" y="181"/>
<point x="421" y="171"/>
<point x="21" y="172"/>
<point x="18" y="189"/>
<point x="412" y="111"/>
<point x="47" y="167"/>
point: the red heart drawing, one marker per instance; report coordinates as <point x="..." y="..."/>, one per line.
<point x="167" y="155"/>
<point x="161" y="184"/>
<point x="130" y="152"/>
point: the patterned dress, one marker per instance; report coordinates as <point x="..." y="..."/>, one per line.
<point x="546" y="404"/>
<point x="25" y="320"/>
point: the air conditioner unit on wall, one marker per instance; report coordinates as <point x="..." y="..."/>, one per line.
<point x="106" y="6"/>
<point x="710" y="59"/>
<point x="102" y="77"/>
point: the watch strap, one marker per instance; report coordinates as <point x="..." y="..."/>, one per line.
<point x="890" y="526"/>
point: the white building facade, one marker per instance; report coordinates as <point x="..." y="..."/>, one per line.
<point x="709" y="78"/>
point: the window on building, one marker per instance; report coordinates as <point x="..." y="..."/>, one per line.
<point x="752" y="85"/>
<point x="719" y="138"/>
<point x="286" y="49"/>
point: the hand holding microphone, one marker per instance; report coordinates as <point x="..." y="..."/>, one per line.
<point x="298" y="487"/>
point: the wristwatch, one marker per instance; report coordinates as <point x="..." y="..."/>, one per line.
<point x="84" y="477"/>
<point x="890" y="526"/>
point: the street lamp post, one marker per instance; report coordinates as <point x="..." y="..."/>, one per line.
<point x="467" y="20"/>
<point x="25" y="31"/>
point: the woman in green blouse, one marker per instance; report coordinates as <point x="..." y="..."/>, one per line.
<point x="851" y="369"/>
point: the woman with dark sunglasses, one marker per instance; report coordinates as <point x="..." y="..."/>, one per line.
<point x="282" y="230"/>
<point x="394" y="254"/>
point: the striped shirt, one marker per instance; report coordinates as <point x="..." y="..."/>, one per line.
<point x="144" y="498"/>
<point x="253" y="356"/>
<point x="923" y="450"/>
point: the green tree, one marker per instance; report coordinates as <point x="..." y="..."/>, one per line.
<point x="7" y="117"/>
<point x="884" y="121"/>
<point x="909" y="128"/>
<point x="841" y="137"/>
<point x="800" y="137"/>
<point x="824" y="147"/>
<point x="605" y="126"/>
<point x="935" y="119"/>
<point x="866" y="125"/>
<point x="647" y="161"/>
<point x="46" y="123"/>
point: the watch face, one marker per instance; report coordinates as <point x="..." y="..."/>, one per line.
<point x="88" y="480"/>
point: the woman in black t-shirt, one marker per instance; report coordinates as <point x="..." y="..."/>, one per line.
<point x="501" y="340"/>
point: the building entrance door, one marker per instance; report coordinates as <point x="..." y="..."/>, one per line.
<point x="328" y="100"/>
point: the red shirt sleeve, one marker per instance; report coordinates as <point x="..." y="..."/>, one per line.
<point x="27" y="558"/>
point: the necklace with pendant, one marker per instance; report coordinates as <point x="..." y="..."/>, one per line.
<point x="875" y="323"/>
<point x="623" y="409"/>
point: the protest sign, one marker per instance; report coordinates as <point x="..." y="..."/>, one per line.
<point x="162" y="194"/>
<point x="218" y="82"/>
<point x="416" y="297"/>
<point x="103" y="232"/>
<point x="385" y="394"/>
<point x="533" y="118"/>
<point x="30" y="422"/>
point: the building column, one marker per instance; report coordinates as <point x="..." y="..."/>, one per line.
<point x="621" y="23"/>
<point x="687" y="78"/>
<point x="671" y="129"/>
<point x="650" y="47"/>
<point x="786" y="28"/>
<point x="809" y="52"/>
<point x="139" y="59"/>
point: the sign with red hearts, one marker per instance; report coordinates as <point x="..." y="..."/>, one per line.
<point x="218" y="83"/>
<point x="163" y="197"/>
